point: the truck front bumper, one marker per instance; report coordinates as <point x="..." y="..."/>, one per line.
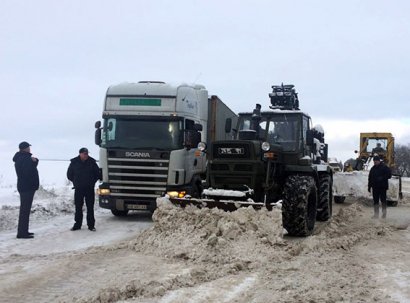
<point x="110" y="202"/>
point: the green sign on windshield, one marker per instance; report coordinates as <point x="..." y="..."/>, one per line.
<point x="140" y="102"/>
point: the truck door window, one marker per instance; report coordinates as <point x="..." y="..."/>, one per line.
<point x="110" y="129"/>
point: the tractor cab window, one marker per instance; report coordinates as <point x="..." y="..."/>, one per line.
<point x="245" y="124"/>
<point x="248" y="125"/>
<point x="376" y="145"/>
<point x="284" y="130"/>
<point x="262" y="129"/>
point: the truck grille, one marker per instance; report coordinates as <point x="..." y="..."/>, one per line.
<point x="137" y="179"/>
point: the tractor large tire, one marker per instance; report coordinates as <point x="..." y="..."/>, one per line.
<point x="299" y="205"/>
<point x="324" y="208"/>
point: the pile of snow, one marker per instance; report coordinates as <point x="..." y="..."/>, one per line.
<point x="48" y="202"/>
<point x="211" y="236"/>
<point x="355" y="183"/>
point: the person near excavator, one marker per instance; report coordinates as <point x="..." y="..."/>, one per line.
<point x="378" y="149"/>
<point x="378" y="183"/>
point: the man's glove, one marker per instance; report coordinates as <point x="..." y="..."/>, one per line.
<point x="368" y="189"/>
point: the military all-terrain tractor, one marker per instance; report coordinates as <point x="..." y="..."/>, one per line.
<point x="276" y="156"/>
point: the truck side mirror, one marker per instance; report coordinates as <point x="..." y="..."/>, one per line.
<point x="309" y="137"/>
<point x="198" y="127"/>
<point x="97" y="138"/>
<point x="228" y="125"/>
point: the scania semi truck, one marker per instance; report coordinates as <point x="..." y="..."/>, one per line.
<point x="148" y="142"/>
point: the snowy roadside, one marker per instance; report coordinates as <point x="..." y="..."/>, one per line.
<point x="51" y="218"/>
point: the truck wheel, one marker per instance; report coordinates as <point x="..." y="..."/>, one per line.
<point x="339" y="199"/>
<point x="299" y="205"/>
<point x="119" y="213"/>
<point x="324" y="208"/>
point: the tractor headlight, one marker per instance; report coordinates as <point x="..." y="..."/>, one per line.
<point x="265" y="146"/>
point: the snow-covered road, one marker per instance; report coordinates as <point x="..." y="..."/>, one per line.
<point x="200" y="256"/>
<point x="55" y="236"/>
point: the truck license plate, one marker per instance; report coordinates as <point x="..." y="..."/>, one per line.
<point x="137" y="206"/>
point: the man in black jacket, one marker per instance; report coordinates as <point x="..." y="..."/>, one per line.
<point x="83" y="172"/>
<point x="27" y="184"/>
<point x="378" y="181"/>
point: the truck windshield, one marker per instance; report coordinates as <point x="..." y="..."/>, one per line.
<point x="143" y="133"/>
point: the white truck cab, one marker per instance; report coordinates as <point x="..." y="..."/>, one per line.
<point x="148" y="142"/>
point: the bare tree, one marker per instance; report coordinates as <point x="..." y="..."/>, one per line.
<point x="402" y="158"/>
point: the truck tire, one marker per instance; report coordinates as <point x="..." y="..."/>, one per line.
<point x="119" y="213"/>
<point x="339" y="199"/>
<point x="324" y="208"/>
<point x="299" y="205"/>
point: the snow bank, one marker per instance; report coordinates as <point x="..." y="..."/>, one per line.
<point x="211" y="235"/>
<point x="354" y="184"/>
<point x="47" y="203"/>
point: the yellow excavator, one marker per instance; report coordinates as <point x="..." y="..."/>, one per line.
<point x="371" y="144"/>
<point x="353" y="181"/>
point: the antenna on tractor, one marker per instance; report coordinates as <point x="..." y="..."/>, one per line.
<point x="284" y="97"/>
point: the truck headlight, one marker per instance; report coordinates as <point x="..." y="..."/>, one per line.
<point x="176" y="194"/>
<point x="265" y="146"/>
<point x="103" y="191"/>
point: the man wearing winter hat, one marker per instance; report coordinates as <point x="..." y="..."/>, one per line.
<point x="379" y="182"/>
<point x="83" y="172"/>
<point x="27" y="184"/>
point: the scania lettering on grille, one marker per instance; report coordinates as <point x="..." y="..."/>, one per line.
<point x="231" y="150"/>
<point x="137" y="155"/>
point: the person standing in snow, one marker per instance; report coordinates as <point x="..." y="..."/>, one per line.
<point x="378" y="182"/>
<point x="83" y="171"/>
<point x="27" y="184"/>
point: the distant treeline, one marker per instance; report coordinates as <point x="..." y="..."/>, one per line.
<point x="402" y="157"/>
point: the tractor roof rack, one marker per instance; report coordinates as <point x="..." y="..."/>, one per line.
<point x="284" y="97"/>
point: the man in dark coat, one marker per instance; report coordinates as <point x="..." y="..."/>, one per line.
<point x="83" y="172"/>
<point x="379" y="181"/>
<point x="27" y="184"/>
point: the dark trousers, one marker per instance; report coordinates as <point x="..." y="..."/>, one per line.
<point x="26" y="201"/>
<point x="80" y="195"/>
<point x="379" y="195"/>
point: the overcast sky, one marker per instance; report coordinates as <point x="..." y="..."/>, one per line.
<point x="349" y="62"/>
